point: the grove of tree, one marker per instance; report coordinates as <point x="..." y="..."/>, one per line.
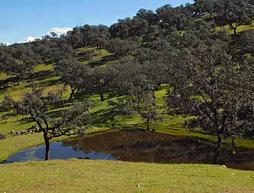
<point x="187" y="50"/>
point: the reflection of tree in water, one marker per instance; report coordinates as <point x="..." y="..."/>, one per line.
<point x="75" y="146"/>
<point x="141" y="146"/>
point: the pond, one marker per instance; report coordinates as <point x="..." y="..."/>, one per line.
<point x="139" y="146"/>
<point x="58" y="151"/>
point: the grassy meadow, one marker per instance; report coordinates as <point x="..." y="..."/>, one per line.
<point x="114" y="176"/>
<point x="106" y="176"/>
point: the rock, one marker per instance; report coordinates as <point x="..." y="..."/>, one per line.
<point x="23" y="132"/>
<point x="2" y="136"/>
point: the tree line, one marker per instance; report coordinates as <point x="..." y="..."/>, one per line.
<point x="207" y="72"/>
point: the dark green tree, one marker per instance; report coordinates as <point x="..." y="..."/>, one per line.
<point x="246" y="43"/>
<point x="127" y="28"/>
<point x="177" y="17"/>
<point x="148" y="15"/>
<point x="234" y="13"/>
<point x="121" y="48"/>
<point x="73" y="121"/>
<point x="205" y="7"/>
<point x="211" y="86"/>
<point x="18" y="60"/>
<point x="72" y="73"/>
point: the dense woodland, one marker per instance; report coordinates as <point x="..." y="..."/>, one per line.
<point x="188" y="50"/>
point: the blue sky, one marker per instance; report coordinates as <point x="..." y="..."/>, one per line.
<point x="23" y="20"/>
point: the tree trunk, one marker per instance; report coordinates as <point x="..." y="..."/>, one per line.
<point x="211" y="15"/>
<point x="102" y="95"/>
<point x="18" y="79"/>
<point x="234" y="150"/>
<point x="72" y="93"/>
<point x="148" y="124"/>
<point x="154" y="98"/>
<point x="219" y="147"/>
<point x="235" y="33"/>
<point x="47" y="150"/>
<point x="148" y="127"/>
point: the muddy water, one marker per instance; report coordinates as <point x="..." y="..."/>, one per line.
<point x="139" y="146"/>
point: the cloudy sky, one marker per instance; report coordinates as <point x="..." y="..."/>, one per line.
<point x="25" y="20"/>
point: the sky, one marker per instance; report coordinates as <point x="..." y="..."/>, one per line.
<point x="25" y="20"/>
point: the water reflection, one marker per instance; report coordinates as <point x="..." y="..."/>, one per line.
<point x="140" y="146"/>
<point x="58" y="151"/>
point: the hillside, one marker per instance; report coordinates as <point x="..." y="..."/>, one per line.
<point x="171" y="86"/>
<point x="102" y="117"/>
<point x="106" y="176"/>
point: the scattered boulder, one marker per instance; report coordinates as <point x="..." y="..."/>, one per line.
<point x="84" y="158"/>
<point x="8" y="116"/>
<point x="23" y="132"/>
<point x="33" y="129"/>
<point x="2" y="136"/>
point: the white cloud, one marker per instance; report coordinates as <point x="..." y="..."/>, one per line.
<point x="5" y="43"/>
<point x="31" y="39"/>
<point x="59" y="31"/>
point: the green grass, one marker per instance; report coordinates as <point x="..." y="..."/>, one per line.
<point x="16" y="123"/>
<point x="3" y="76"/>
<point x="102" y="118"/>
<point x="153" y="177"/>
<point x="44" y="67"/>
<point x="106" y="176"/>
<point x="114" y="176"/>
<point x="239" y="29"/>
<point x="14" y="144"/>
<point x="99" y="59"/>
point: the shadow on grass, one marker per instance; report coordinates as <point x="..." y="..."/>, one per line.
<point x="103" y="116"/>
<point x="51" y="82"/>
<point x="4" y="84"/>
<point x="104" y="60"/>
<point x="85" y="55"/>
<point x="56" y="114"/>
<point x="42" y="75"/>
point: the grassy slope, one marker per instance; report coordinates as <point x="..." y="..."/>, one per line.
<point x="101" y="115"/>
<point x="239" y="29"/>
<point x="83" y="176"/>
<point x="108" y="176"/>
